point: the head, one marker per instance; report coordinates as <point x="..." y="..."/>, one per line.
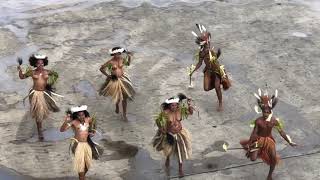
<point x="173" y="107"/>
<point x="80" y="115"/>
<point x="172" y="103"/>
<point x="79" y="112"/>
<point x="203" y="39"/>
<point x="116" y="51"/>
<point x="266" y="104"/>
<point x="38" y="60"/>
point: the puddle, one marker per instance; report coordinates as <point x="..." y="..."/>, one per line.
<point x="143" y="167"/>
<point x="54" y="134"/>
<point x="9" y="174"/>
<point x="86" y="88"/>
<point x="121" y="150"/>
<point x="217" y="146"/>
<point x="299" y="34"/>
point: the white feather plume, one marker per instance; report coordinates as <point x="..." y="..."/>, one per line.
<point x="259" y="91"/>
<point x="195" y="34"/>
<point x="256" y="95"/>
<point x="203" y="28"/>
<point x="256" y="108"/>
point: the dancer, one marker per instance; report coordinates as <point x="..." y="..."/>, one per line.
<point x="83" y="148"/>
<point x="214" y="73"/>
<point x="118" y="85"/>
<point x="40" y="96"/>
<point x="261" y="143"/>
<point x="171" y="137"/>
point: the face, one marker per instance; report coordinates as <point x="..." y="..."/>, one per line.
<point x="205" y="39"/>
<point x="81" y="116"/>
<point x="266" y="109"/>
<point x="40" y="64"/>
<point x="173" y="106"/>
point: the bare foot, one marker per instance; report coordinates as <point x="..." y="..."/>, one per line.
<point x="220" y="108"/>
<point x="167" y="170"/>
<point x="117" y="110"/>
<point x="181" y="174"/>
<point x="269" y="178"/>
<point x="40" y="136"/>
<point x="124" y="117"/>
<point x="167" y="163"/>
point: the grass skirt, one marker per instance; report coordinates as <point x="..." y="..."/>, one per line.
<point x="174" y="144"/>
<point x="41" y="103"/>
<point x="82" y="156"/>
<point x="118" y="88"/>
<point x="267" y="148"/>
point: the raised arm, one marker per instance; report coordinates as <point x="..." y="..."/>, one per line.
<point x="21" y="74"/>
<point x="190" y="107"/>
<point x="129" y="57"/>
<point x="66" y="124"/>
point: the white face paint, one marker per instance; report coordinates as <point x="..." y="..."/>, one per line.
<point x="269" y="117"/>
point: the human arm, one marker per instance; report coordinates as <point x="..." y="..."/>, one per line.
<point x="66" y="124"/>
<point x="286" y="137"/>
<point x="190" y="107"/>
<point x="254" y="133"/>
<point x="103" y="68"/>
<point x="25" y="75"/>
<point x="198" y="65"/>
<point x="129" y="58"/>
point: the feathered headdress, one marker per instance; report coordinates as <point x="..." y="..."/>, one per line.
<point x="266" y="100"/>
<point x="204" y="36"/>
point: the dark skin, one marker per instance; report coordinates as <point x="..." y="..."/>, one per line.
<point x="264" y="128"/>
<point x="117" y="63"/>
<point x="174" y="126"/>
<point x="80" y="135"/>
<point x="39" y="77"/>
<point x="211" y="80"/>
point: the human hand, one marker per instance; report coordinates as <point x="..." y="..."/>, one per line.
<point x="189" y="101"/>
<point x="67" y="118"/>
<point x="91" y="134"/>
<point x="293" y="144"/>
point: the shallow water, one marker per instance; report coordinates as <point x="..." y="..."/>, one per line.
<point x="9" y="174"/>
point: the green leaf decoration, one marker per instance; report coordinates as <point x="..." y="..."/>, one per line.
<point x="252" y="123"/>
<point x="28" y="71"/>
<point x="161" y="119"/>
<point x="126" y="61"/>
<point x="196" y="55"/>
<point x="53" y="77"/>
<point x="109" y="66"/>
<point x="184" y="111"/>
<point x="280" y="125"/>
<point x="93" y="124"/>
